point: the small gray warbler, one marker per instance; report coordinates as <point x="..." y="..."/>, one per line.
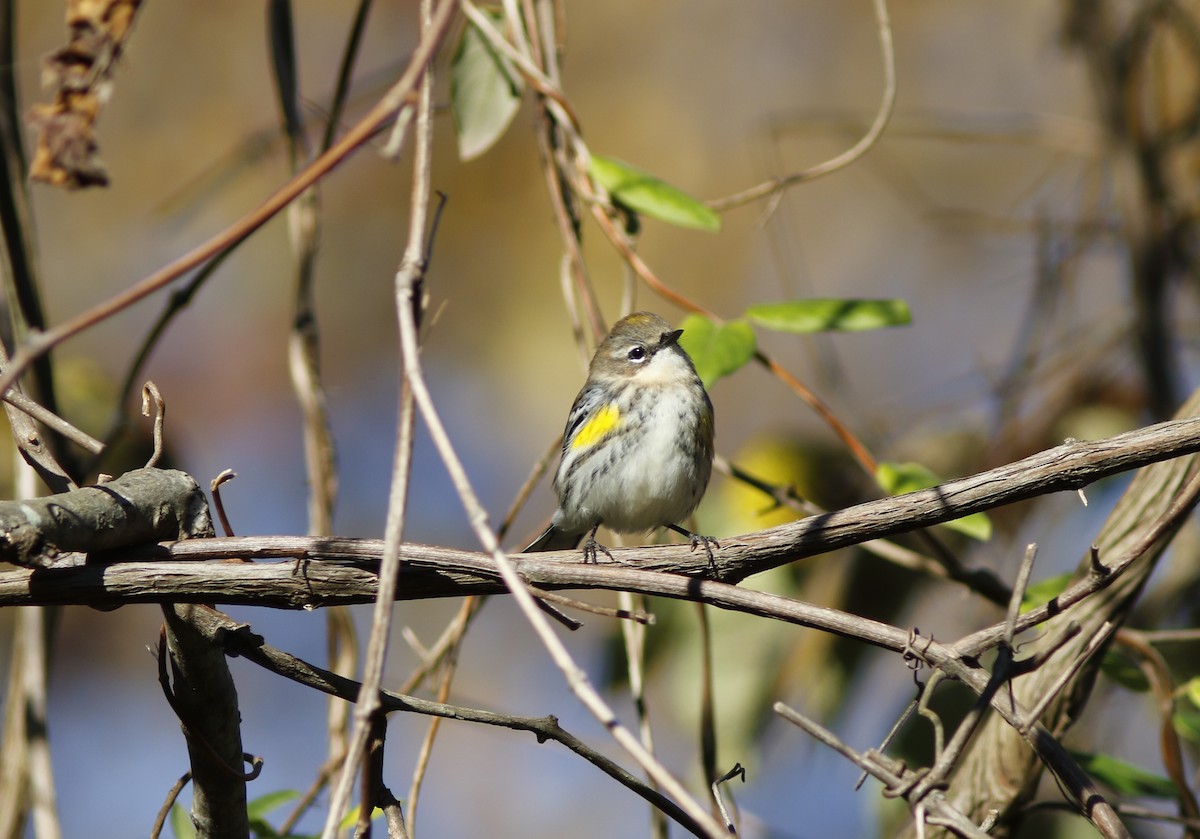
<point x="638" y="448"/>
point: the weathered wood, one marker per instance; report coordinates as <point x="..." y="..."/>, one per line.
<point x="1000" y="772"/>
<point x="340" y="568"/>
<point x="145" y="505"/>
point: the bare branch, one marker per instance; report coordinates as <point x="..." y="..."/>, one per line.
<point x="897" y="779"/>
<point x="775" y="187"/>
<point x="384" y="110"/>
<point x="439" y="572"/>
<point x="238" y="640"/>
<point x="998" y="772"/>
<point x="408" y="303"/>
<point x="150" y="395"/>
<point x="738" y="771"/>
<point x="140" y="506"/>
<point x="206" y="701"/>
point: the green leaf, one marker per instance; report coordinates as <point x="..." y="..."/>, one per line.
<point x="1186" y="722"/>
<point x="643" y="193"/>
<point x="1125" y="778"/>
<point x="827" y="315"/>
<point x="485" y="90"/>
<point x="716" y="350"/>
<point x="259" y="807"/>
<point x="1124" y="671"/>
<point x="899" y="478"/>
<point x="1191" y="689"/>
<point x="257" y="811"/>
<point x="261" y="829"/>
<point x="1043" y="591"/>
<point x="181" y="823"/>
<point x="351" y="817"/>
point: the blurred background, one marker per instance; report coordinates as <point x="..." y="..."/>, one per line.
<point x="992" y="205"/>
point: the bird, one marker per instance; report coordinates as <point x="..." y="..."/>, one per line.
<point x="637" y="451"/>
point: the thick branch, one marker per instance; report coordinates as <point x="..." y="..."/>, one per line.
<point x="237" y="640"/>
<point x="204" y="697"/>
<point x="1000" y="773"/>
<point x="159" y="573"/>
<point x="146" y="505"/>
<point x="330" y="571"/>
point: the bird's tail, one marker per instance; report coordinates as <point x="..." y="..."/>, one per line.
<point x="554" y="540"/>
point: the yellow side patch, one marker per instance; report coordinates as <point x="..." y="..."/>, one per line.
<point x="595" y="429"/>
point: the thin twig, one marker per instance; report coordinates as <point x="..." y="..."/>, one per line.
<point x="1018" y="593"/>
<point x="150" y="395"/>
<point x="895" y="778"/>
<point x="576" y="678"/>
<point x="1052" y="691"/>
<point x="535" y="476"/>
<point x="176" y="302"/>
<point x="562" y="160"/>
<point x="53" y="421"/>
<point x="1167" y="636"/>
<point x="327" y="771"/>
<point x="239" y="641"/>
<point x="555" y="99"/>
<point x="304" y="338"/>
<point x="1159" y="676"/>
<point x="34" y="652"/>
<point x="451" y="637"/>
<point x="776" y="186"/>
<point x="449" y="668"/>
<point x="634" y="638"/>
<point x="939" y="734"/>
<point x="707" y="721"/>
<point x="165" y="810"/>
<point x="341" y="89"/>
<point x="408" y="277"/>
<point x="738" y="771"/>
<point x="383" y="111"/>
<point x="563" y="618"/>
<point x="1133" y="811"/>
<point x="30" y="443"/>
<point x="900" y="722"/>
<point x="225" y="477"/>
<point x="623" y="613"/>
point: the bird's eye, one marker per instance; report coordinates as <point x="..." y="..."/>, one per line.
<point x="637" y="353"/>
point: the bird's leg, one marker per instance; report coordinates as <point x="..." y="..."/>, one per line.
<point x="697" y="540"/>
<point x="592" y="549"/>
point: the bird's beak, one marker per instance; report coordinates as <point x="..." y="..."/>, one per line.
<point x="670" y="338"/>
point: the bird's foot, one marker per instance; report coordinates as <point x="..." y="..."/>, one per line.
<point x="709" y="543"/>
<point x="592" y="550"/>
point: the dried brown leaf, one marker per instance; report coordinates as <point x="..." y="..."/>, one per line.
<point x="80" y="73"/>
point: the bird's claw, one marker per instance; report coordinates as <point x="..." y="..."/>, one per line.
<point x="592" y="550"/>
<point x="709" y="543"/>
